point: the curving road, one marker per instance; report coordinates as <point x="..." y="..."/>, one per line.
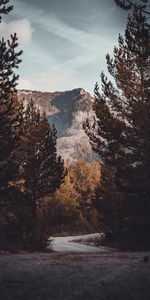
<point x="65" y="244"/>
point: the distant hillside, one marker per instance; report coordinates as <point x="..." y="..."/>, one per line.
<point x="67" y="110"/>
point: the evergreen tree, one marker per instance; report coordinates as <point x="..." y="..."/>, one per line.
<point x="43" y="170"/>
<point x="143" y="5"/>
<point x="10" y="108"/>
<point x="120" y="133"/>
<point x="4" y="8"/>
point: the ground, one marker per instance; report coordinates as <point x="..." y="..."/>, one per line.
<point x="104" y="275"/>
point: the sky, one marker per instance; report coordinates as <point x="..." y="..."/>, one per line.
<point x="64" y="42"/>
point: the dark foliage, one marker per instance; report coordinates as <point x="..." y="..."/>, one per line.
<point x="143" y="5"/>
<point x="5" y="8"/>
<point x="10" y="109"/>
<point x="43" y="169"/>
<point x="120" y="133"/>
<point x="30" y="168"/>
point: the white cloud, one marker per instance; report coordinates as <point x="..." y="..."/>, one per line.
<point x="44" y="68"/>
<point x="83" y="39"/>
<point x="21" y="27"/>
<point x="88" y="47"/>
<point x="51" y="80"/>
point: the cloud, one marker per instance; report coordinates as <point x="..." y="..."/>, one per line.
<point x="62" y="55"/>
<point x="87" y="51"/>
<point x="50" y="80"/>
<point x="21" y="27"/>
<point x="75" y="36"/>
<point x="85" y="47"/>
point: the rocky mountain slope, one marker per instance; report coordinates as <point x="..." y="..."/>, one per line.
<point x="67" y="110"/>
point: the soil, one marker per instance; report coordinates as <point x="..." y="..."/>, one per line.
<point x="69" y="276"/>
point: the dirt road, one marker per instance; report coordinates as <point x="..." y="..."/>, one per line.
<point x="65" y="244"/>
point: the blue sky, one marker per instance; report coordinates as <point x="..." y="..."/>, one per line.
<point x="64" y="41"/>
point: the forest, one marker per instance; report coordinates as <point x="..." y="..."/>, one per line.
<point x="41" y="194"/>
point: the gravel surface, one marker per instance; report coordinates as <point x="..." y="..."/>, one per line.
<point x="104" y="275"/>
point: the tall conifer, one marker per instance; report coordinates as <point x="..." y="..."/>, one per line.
<point x="43" y="169"/>
<point x="120" y="133"/>
<point x="144" y="5"/>
<point x="10" y="108"/>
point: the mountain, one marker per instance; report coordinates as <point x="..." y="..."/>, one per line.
<point x="67" y="110"/>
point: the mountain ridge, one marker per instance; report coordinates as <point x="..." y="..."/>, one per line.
<point x="67" y="111"/>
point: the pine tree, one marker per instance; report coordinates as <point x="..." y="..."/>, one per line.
<point x="120" y="133"/>
<point x="143" y="5"/>
<point x="10" y="108"/>
<point x="4" y="8"/>
<point x="43" y="170"/>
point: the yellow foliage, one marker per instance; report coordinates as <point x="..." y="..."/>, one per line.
<point x="72" y="204"/>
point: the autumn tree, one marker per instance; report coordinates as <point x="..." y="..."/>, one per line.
<point x="70" y="208"/>
<point x="60" y="211"/>
<point x="86" y="177"/>
<point x="120" y="133"/>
